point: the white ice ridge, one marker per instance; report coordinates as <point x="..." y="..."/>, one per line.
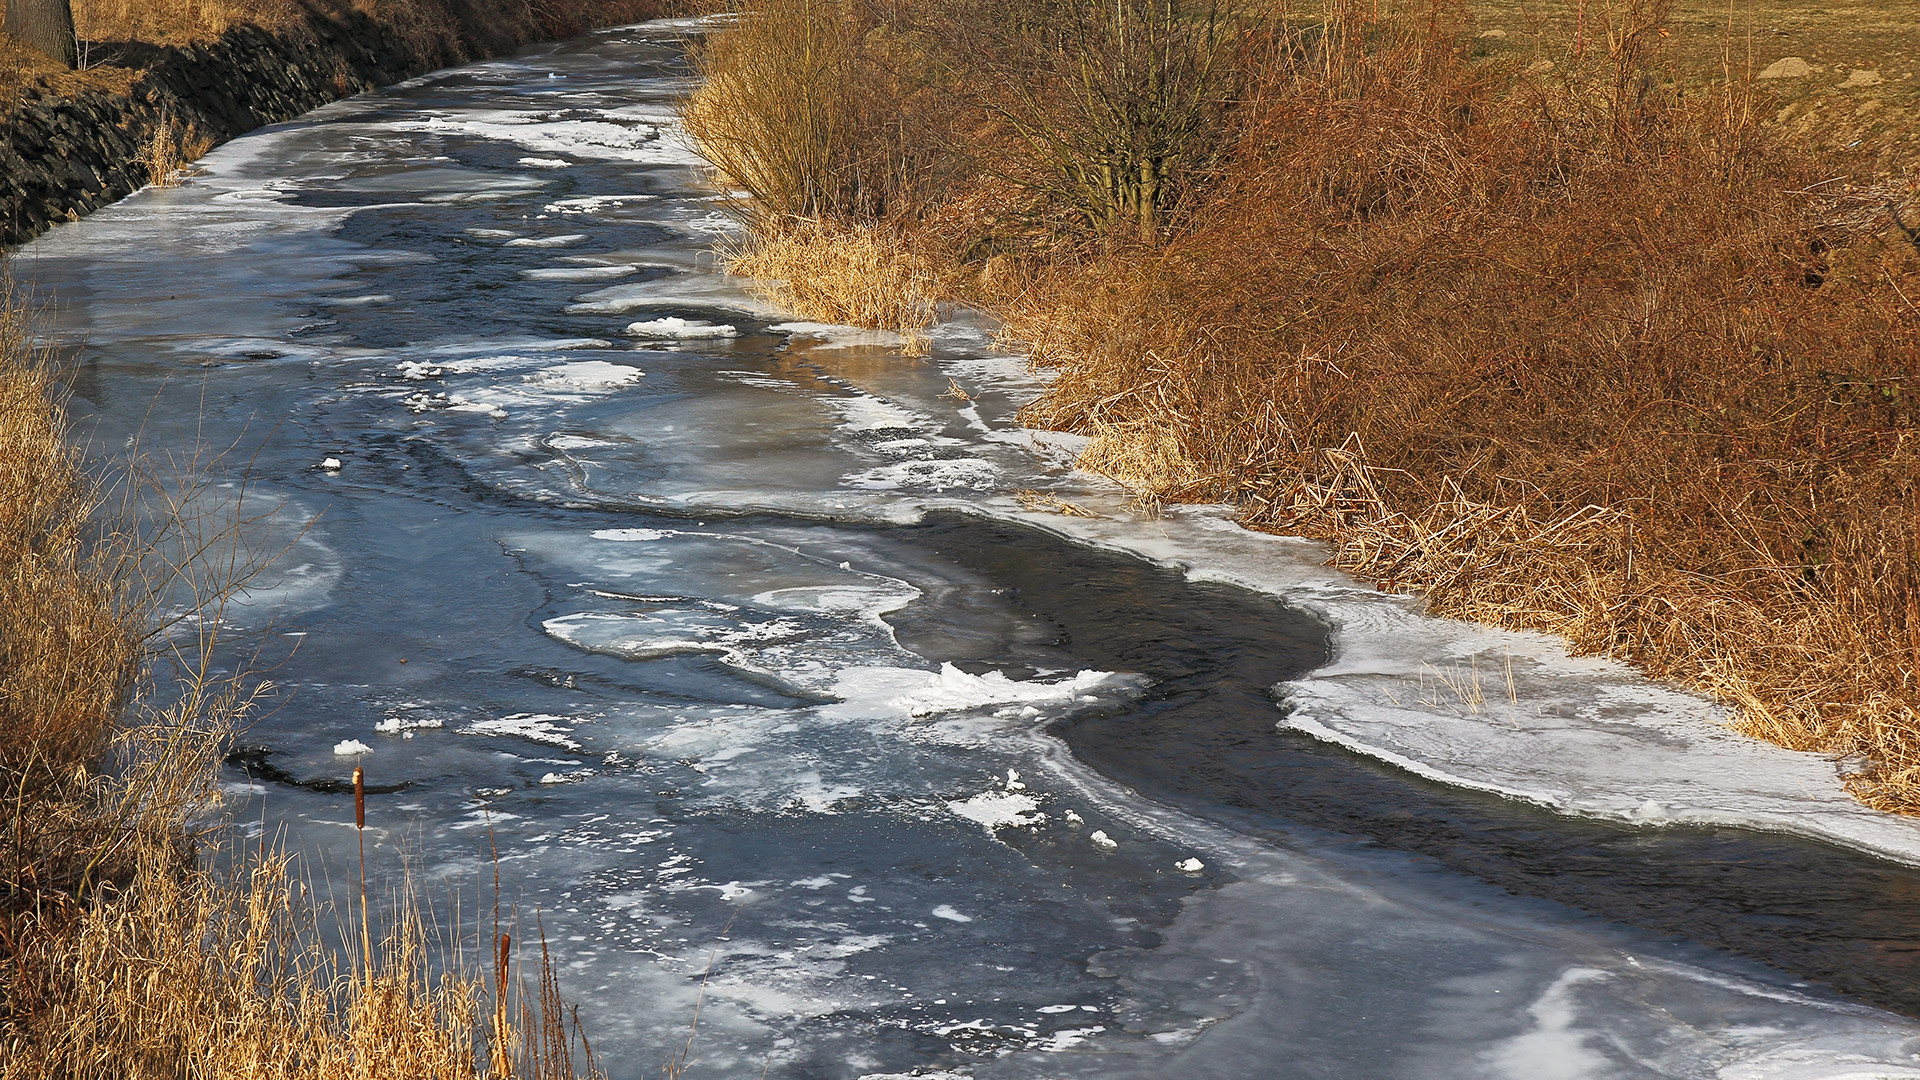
<point x="674" y="327"/>
<point x="610" y="137"/>
<point x="1508" y="713"/>
<point x="999" y="809"/>
<point x="534" y="727"/>
<point x="873" y="692"/>
<point x="583" y="375"/>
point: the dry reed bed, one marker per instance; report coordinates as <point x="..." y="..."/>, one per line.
<point x="1575" y="350"/>
<point x="134" y="941"/>
<point x="1639" y="380"/>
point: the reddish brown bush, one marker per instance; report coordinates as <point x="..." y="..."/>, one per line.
<point x="1582" y="353"/>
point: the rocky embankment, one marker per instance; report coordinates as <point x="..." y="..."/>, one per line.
<point x="61" y="156"/>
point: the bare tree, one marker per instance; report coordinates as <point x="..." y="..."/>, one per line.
<point x="46" y="25"/>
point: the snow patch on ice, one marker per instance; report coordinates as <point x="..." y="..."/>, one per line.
<point x="584" y="375"/>
<point x="833" y="336"/>
<point x="609" y="138"/>
<point x="590" y="204"/>
<point x="893" y="691"/>
<point x="864" y="412"/>
<point x="535" y="727"/>
<point x="966" y="474"/>
<point x="999" y="809"/>
<point x="1555" y="1049"/>
<point x="547" y="241"/>
<point x="675" y="328"/>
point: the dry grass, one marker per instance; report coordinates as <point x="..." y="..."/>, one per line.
<point x="181" y="22"/>
<point x="1572" y="352"/>
<point x="190" y="973"/>
<point x="69" y="646"/>
<point x="174" y="22"/>
<point x="854" y="277"/>
<point x="1573" y="336"/>
<point x="171" y="150"/>
<point x="134" y="943"/>
<point x="1142" y="456"/>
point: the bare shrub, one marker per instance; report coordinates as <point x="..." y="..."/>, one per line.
<point x="803" y="106"/>
<point x="1115" y="109"/>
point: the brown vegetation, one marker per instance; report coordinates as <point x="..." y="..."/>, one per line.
<point x="1583" y="346"/>
<point x="862" y="277"/>
<point x="131" y="943"/>
<point x="111" y="32"/>
<point x="172" y="148"/>
<point x="182" y="22"/>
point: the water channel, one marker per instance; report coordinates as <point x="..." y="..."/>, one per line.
<point x="733" y="641"/>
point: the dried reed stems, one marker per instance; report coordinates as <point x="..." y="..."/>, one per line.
<point x="170" y="149"/>
<point x="864" y="277"/>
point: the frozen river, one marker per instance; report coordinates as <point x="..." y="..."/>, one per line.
<point x="733" y="637"/>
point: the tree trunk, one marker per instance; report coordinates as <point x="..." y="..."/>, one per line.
<point x="46" y="25"/>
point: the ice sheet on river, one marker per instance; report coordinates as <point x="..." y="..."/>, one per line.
<point x="1512" y="713"/>
<point x="705" y="756"/>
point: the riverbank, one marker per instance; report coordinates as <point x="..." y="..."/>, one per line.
<point x="140" y="935"/>
<point x="1568" y="338"/>
<point x="162" y="84"/>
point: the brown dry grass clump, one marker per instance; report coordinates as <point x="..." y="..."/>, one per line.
<point x="1581" y="346"/>
<point x="860" y="277"/>
<point x="69" y="647"/>
<point x="133" y="942"/>
<point x="171" y="149"/>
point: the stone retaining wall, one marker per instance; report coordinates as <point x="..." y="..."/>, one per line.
<point x="61" y="156"/>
